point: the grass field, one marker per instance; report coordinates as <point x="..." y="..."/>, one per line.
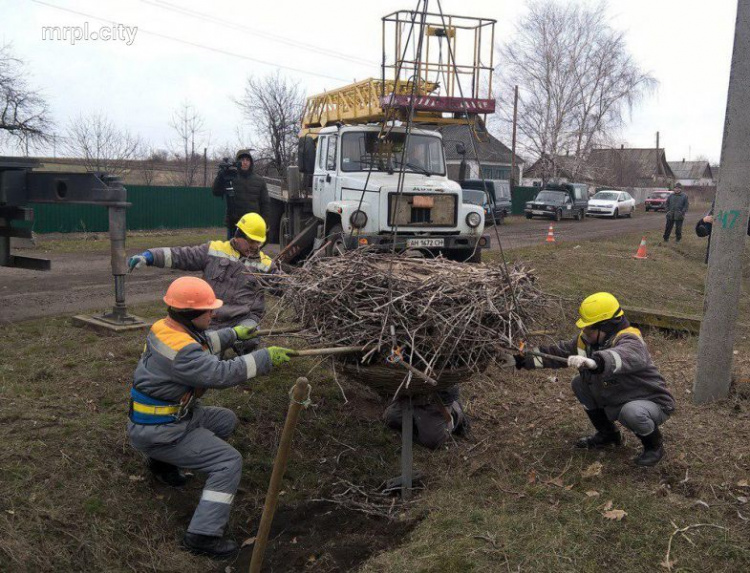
<point x="513" y="496"/>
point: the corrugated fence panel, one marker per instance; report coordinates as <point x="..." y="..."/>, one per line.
<point x="152" y="208"/>
<point x="520" y="196"/>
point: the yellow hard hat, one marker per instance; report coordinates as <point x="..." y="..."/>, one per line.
<point x="253" y="226"/>
<point x="596" y="308"/>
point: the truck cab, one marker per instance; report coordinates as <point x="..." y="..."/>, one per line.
<point x="365" y="187"/>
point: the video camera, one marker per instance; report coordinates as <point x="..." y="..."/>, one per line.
<point x="228" y="171"/>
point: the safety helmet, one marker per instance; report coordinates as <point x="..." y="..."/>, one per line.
<point x="191" y="293"/>
<point x="253" y="226"/>
<point x="598" y="307"/>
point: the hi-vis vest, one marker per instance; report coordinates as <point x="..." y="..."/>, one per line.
<point x="224" y="249"/>
<point x="164" y="342"/>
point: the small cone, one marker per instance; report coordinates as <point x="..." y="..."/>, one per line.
<point x="550" y="235"/>
<point x="641" y="254"/>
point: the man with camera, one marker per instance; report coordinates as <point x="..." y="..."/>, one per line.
<point x="245" y="192"/>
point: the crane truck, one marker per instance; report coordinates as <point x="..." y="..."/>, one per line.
<point x="371" y="168"/>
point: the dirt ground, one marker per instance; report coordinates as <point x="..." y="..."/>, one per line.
<point x="82" y="281"/>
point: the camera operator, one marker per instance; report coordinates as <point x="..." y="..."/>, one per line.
<point x="244" y="191"/>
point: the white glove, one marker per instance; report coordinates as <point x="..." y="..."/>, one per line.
<point x="581" y="362"/>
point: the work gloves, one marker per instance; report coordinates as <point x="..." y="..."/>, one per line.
<point x="278" y="355"/>
<point x="580" y="362"/>
<point x="136" y="262"/>
<point x="245" y="332"/>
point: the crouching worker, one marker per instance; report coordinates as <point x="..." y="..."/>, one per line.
<point x="230" y="267"/>
<point x="617" y="380"/>
<point x="167" y="423"/>
<point x="436" y="417"/>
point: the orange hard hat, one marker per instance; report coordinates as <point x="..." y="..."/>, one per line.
<point x="191" y="293"/>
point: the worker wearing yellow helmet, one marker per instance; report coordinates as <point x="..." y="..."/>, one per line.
<point x="233" y="268"/>
<point x="617" y="381"/>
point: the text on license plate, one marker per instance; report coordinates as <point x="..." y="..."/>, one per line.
<point x="425" y="242"/>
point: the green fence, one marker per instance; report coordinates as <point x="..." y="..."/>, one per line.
<point x="152" y="208"/>
<point x="520" y="196"/>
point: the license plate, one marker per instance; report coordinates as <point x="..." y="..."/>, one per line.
<point x="425" y="242"/>
<point x="539" y="212"/>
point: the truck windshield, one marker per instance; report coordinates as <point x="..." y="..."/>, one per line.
<point x="363" y="151"/>
<point x="474" y="197"/>
<point x="550" y="197"/>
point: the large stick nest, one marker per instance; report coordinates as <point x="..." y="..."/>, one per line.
<point x="446" y="316"/>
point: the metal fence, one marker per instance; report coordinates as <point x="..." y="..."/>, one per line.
<point x="152" y="208"/>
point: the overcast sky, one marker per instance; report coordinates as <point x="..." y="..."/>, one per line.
<point x="685" y="44"/>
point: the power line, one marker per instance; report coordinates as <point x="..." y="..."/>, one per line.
<point x="263" y="34"/>
<point x="194" y="44"/>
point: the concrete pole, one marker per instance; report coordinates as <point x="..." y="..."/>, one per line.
<point x="724" y="276"/>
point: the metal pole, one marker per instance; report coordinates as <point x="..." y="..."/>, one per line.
<point x="724" y="276"/>
<point x="117" y="233"/>
<point x="205" y="166"/>
<point x="299" y="394"/>
<point x="407" y="442"/>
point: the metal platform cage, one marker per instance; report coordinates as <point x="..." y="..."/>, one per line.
<point x="456" y="65"/>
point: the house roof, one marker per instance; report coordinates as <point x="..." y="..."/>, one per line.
<point x="691" y="169"/>
<point x="489" y="148"/>
<point x="648" y="163"/>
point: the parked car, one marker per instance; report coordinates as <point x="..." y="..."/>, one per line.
<point x="559" y="200"/>
<point x="657" y="200"/>
<point x="611" y="203"/>
<point x="498" y="197"/>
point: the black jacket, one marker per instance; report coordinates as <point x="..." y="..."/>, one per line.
<point x="703" y="229"/>
<point x="250" y="195"/>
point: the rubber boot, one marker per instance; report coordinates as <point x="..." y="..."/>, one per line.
<point x="167" y="473"/>
<point x="606" y="432"/>
<point x="214" y="547"/>
<point x="653" y="449"/>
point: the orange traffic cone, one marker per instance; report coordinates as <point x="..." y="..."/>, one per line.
<point x="550" y="235"/>
<point x="641" y="254"/>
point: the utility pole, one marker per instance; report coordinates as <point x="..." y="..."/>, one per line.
<point x="205" y="166"/>
<point x="724" y="276"/>
<point x="657" y="153"/>
<point x="513" y="145"/>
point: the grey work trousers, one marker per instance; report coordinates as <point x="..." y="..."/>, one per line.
<point x="198" y="444"/>
<point x="432" y="423"/>
<point x="639" y="416"/>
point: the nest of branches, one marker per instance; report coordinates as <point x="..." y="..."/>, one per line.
<point x="430" y="319"/>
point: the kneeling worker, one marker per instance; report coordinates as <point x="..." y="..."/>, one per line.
<point x="229" y="267"/>
<point x="617" y="380"/>
<point x="167" y="424"/>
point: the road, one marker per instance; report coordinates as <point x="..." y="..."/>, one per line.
<point x="83" y="283"/>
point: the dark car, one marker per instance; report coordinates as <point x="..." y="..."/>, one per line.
<point x="558" y="201"/>
<point x="657" y="200"/>
<point x="498" y="198"/>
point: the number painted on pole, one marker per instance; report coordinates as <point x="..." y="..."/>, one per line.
<point x="727" y="219"/>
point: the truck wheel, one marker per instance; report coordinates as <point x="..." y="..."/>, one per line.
<point x="558" y="215"/>
<point x="579" y="215"/>
<point x="528" y="216"/>
<point x="464" y="255"/>
<point x="337" y="246"/>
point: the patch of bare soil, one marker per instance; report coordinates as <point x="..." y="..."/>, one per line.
<point x="324" y="537"/>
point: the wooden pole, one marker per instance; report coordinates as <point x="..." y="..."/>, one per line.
<point x="407" y="457"/>
<point x="328" y="351"/>
<point x="299" y="394"/>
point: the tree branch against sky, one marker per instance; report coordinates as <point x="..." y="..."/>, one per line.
<point x="102" y="145"/>
<point x="577" y="80"/>
<point x="273" y="107"/>
<point x="189" y="128"/>
<point x="24" y="113"/>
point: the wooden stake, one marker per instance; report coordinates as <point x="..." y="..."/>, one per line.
<point x="299" y="394"/>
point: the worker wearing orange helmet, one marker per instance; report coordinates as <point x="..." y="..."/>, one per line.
<point x="167" y="423"/>
<point x="617" y="379"/>
<point x="233" y="268"/>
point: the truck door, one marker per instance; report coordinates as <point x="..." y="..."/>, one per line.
<point x="325" y="179"/>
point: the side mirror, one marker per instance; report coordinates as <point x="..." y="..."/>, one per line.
<point x="460" y="148"/>
<point x="306" y="153"/>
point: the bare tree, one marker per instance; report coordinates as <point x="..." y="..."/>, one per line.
<point x="273" y="106"/>
<point x="101" y="144"/>
<point x="577" y="80"/>
<point x="188" y="125"/>
<point x="153" y="160"/>
<point x="24" y="114"/>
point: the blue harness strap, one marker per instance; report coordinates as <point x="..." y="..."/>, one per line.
<point x="148" y="419"/>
